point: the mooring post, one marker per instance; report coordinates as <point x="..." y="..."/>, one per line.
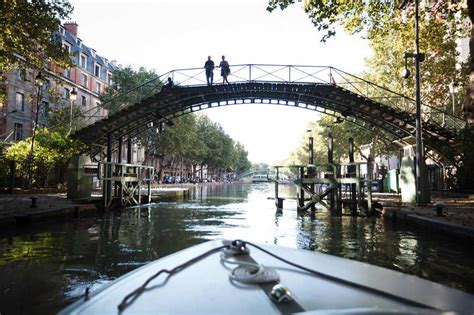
<point x="278" y="200"/>
<point x="276" y="182"/>
<point x="301" y="197"/>
<point x="352" y="173"/>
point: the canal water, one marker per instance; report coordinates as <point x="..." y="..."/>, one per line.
<point x="45" y="267"/>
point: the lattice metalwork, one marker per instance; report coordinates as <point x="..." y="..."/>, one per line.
<point x="324" y="89"/>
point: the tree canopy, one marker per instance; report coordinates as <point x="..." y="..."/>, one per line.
<point x="191" y="138"/>
<point x="389" y="28"/>
<point x="27" y="35"/>
<point x="129" y="86"/>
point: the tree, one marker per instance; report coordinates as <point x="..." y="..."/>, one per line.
<point x="241" y="163"/>
<point x="50" y="149"/>
<point x="340" y="133"/>
<point x="128" y="87"/>
<point x="389" y="27"/>
<point x="469" y="99"/>
<point x="27" y="35"/>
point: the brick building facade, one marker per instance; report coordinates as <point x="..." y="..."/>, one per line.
<point x="26" y="98"/>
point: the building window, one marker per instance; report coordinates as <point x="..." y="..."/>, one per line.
<point x="79" y="42"/>
<point x="20" y="102"/>
<point x="67" y="73"/>
<point x="84" y="80"/>
<point x="43" y="110"/>
<point x="97" y="70"/>
<point x="18" y="131"/>
<point x="83" y="100"/>
<point x="23" y="74"/>
<point x="83" y="61"/>
<point x="109" y="78"/>
<point x="97" y="87"/>
<point x="67" y="47"/>
<point x="66" y="94"/>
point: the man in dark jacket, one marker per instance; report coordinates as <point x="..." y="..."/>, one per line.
<point x="209" y="66"/>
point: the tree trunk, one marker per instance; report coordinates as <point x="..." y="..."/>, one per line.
<point x="469" y="101"/>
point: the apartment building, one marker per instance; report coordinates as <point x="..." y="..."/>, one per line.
<point x="29" y="98"/>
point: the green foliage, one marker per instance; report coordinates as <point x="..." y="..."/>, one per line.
<point x="241" y="161"/>
<point x="390" y="28"/>
<point x="129" y="87"/>
<point x="50" y="148"/>
<point x="27" y="31"/>
<point x="66" y="119"/>
<point x="372" y="17"/>
<point x="192" y="139"/>
<point x="341" y="133"/>
<point x="219" y="146"/>
<point x="200" y="141"/>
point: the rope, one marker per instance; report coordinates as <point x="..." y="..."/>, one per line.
<point x="250" y="273"/>
<point x="132" y="296"/>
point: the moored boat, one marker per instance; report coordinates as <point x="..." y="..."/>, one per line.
<point x="223" y="277"/>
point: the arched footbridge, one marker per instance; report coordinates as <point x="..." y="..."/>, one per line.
<point x="323" y="89"/>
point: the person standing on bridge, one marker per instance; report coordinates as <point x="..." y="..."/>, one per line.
<point x="225" y="70"/>
<point x="209" y="66"/>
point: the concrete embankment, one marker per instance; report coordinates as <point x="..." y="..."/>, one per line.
<point x="452" y="216"/>
<point x="24" y="208"/>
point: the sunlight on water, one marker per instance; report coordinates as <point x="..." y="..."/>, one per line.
<point x="52" y="264"/>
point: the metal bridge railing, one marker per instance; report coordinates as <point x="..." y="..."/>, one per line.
<point x="242" y="73"/>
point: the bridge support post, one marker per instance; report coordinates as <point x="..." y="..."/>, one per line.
<point x="331" y="161"/>
<point x="119" y="170"/>
<point x="129" y="150"/>
<point x="108" y="173"/>
<point x="351" y="170"/>
<point x="311" y="169"/>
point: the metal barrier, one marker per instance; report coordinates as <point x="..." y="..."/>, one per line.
<point x="303" y="74"/>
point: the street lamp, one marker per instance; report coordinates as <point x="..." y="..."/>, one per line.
<point x="39" y="85"/>
<point x="72" y="99"/>
<point x="419" y="154"/>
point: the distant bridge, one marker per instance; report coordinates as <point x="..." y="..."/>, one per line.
<point x="323" y="89"/>
<point x="251" y="172"/>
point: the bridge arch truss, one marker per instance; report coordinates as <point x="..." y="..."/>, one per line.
<point x="323" y="89"/>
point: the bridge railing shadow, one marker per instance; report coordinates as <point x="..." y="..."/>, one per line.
<point x="294" y="74"/>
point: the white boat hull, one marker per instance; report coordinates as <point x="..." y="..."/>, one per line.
<point x="205" y="288"/>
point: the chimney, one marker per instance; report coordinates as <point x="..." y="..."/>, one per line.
<point x="71" y="27"/>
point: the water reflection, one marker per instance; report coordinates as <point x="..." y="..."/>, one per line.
<point x="46" y="267"/>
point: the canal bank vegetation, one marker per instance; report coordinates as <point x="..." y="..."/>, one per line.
<point x="192" y="142"/>
<point x="389" y="27"/>
<point x="197" y="141"/>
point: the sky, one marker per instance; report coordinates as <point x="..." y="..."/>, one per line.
<point x="173" y="34"/>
